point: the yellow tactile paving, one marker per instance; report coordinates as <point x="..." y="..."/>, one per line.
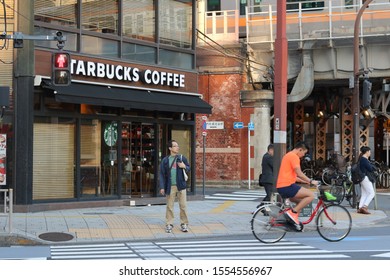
<point x="145" y="233"/>
<point x="121" y="233"/>
<point x="222" y="207"/>
<point x="100" y="233"/>
<point x="199" y="229"/>
<point x="123" y="221"/>
<point x="81" y="233"/>
<point x="216" y="226"/>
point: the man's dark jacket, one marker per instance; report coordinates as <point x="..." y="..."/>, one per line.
<point x="165" y="174"/>
<point x="267" y="166"/>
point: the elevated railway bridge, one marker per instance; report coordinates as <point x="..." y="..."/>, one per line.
<point x="320" y="68"/>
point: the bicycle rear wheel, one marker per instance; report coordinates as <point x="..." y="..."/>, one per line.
<point x="351" y="194"/>
<point x="334" y="223"/>
<point x="265" y="226"/>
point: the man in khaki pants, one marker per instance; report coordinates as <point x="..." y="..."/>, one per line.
<point x="173" y="184"/>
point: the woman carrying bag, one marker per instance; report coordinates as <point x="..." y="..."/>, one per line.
<point x="367" y="186"/>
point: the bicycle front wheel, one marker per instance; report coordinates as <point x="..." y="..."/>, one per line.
<point x="327" y="175"/>
<point x="334" y="223"/>
<point x="309" y="172"/>
<point x="265" y="225"/>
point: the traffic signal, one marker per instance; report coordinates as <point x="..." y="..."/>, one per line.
<point x="367" y="85"/>
<point x="61" y="69"/>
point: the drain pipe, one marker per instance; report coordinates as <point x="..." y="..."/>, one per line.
<point x="304" y="83"/>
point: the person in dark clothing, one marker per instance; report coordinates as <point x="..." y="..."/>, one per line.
<point x="367" y="187"/>
<point x="266" y="178"/>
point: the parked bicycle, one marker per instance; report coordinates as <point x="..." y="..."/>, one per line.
<point x="336" y="167"/>
<point x="333" y="222"/>
<point x="383" y="176"/>
<point x="312" y="168"/>
<point x="344" y="190"/>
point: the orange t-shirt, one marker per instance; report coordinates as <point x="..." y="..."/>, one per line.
<point x="287" y="175"/>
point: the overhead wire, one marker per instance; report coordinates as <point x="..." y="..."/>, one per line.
<point x="246" y="61"/>
<point x="225" y="52"/>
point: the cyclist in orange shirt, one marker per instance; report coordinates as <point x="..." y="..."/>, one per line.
<point x="289" y="173"/>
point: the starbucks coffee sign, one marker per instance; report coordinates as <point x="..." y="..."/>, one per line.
<point x="126" y="73"/>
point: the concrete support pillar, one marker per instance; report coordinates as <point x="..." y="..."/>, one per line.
<point x="261" y="101"/>
<point x="262" y="133"/>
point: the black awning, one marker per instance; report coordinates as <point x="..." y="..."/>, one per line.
<point x="129" y="98"/>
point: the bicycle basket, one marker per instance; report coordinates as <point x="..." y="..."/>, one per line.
<point x="327" y="196"/>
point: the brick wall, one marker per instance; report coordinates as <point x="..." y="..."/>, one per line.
<point x="226" y="150"/>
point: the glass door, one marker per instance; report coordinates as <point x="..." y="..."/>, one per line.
<point x="138" y="152"/>
<point x="182" y="135"/>
<point x="110" y="158"/>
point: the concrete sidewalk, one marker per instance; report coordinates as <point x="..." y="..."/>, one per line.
<point x="126" y="223"/>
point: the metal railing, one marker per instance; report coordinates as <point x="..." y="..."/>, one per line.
<point x="7" y="207"/>
<point x="328" y="20"/>
<point x="334" y="20"/>
<point x="221" y="26"/>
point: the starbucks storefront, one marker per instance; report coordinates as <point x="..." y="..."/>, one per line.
<point x="103" y="136"/>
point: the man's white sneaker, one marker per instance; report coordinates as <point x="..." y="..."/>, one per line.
<point x="168" y="228"/>
<point x="184" y="228"/>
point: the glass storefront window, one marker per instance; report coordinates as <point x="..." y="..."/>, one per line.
<point x="99" y="46"/>
<point x="176" y="23"/>
<point x="176" y="59"/>
<point x="100" y="16"/>
<point x="62" y="13"/>
<point x="139" y="53"/>
<point x="183" y="138"/>
<point x="90" y="158"/>
<point x="139" y="19"/>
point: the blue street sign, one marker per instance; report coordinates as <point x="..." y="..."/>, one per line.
<point x="238" y="125"/>
<point x="251" y="126"/>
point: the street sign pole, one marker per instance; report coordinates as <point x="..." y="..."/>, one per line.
<point x="204" y="161"/>
<point x="249" y="158"/>
<point x="204" y="134"/>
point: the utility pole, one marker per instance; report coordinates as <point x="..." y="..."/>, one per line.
<point x="355" y="96"/>
<point x="357" y="73"/>
<point x="280" y="95"/>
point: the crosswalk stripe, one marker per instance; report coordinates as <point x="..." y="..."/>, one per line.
<point x="248" y="195"/>
<point x="384" y="255"/>
<point x="238" y="195"/>
<point x="279" y="257"/>
<point x="198" y="249"/>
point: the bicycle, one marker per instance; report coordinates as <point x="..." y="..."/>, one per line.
<point x="312" y="169"/>
<point x="345" y="191"/>
<point x="335" y="169"/>
<point x="343" y="188"/>
<point x="333" y="222"/>
<point x="383" y="175"/>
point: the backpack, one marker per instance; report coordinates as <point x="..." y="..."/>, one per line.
<point x="357" y="175"/>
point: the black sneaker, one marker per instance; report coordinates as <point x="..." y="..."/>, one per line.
<point x="265" y="212"/>
<point x="184" y="228"/>
<point x="299" y="227"/>
<point x="168" y="228"/>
